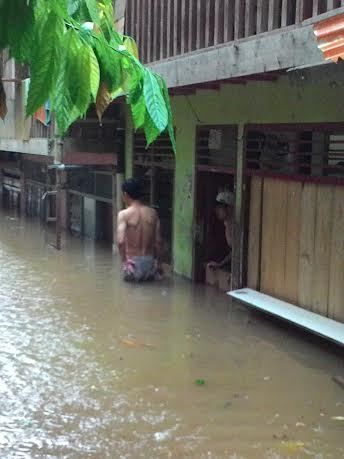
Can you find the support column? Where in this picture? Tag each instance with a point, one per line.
(60, 195)
(1, 187)
(184, 193)
(114, 210)
(318, 156)
(117, 202)
(239, 212)
(129, 144)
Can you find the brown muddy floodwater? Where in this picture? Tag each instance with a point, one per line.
(94, 368)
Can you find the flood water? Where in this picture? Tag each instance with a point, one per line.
(95, 368)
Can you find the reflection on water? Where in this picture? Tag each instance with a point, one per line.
(94, 368)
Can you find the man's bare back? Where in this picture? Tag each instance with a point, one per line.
(140, 225)
(138, 235)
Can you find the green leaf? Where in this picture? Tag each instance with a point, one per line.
(107, 23)
(60, 7)
(61, 102)
(4, 25)
(136, 100)
(93, 10)
(68, 63)
(63, 110)
(94, 74)
(86, 35)
(151, 131)
(138, 110)
(136, 87)
(82, 72)
(73, 6)
(20, 30)
(154, 101)
(119, 92)
(82, 78)
(116, 39)
(170, 126)
(44, 62)
(109, 63)
(131, 46)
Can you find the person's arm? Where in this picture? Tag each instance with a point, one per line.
(222, 263)
(121, 230)
(226, 260)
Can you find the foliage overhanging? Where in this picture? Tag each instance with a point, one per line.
(76, 58)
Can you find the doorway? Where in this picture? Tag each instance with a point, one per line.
(215, 172)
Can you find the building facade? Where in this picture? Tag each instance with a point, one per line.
(68, 182)
(257, 111)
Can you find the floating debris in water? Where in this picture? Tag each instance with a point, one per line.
(337, 418)
(317, 429)
(338, 380)
(293, 446)
(283, 437)
(300, 424)
(133, 343)
(162, 436)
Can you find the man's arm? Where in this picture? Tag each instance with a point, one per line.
(222, 263)
(121, 230)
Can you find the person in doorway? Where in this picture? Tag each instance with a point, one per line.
(138, 235)
(224, 209)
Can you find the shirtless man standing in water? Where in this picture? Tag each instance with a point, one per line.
(138, 235)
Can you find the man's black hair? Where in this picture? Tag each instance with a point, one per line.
(133, 188)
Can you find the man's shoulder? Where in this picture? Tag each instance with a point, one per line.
(149, 211)
(123, 214)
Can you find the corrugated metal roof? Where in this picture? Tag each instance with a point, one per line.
(330, 36)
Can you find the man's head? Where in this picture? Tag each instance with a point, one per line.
(224, 205)
(132, 191)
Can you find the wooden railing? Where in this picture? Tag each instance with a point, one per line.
(167, 28)
(40, 131)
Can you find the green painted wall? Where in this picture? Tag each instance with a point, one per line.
(257, 102)
(184, 191)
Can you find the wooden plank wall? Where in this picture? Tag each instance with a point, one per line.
(254, 238)
(336, 288)
(296, 243)
(307, 241)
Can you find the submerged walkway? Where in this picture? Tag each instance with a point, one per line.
(95, 368)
